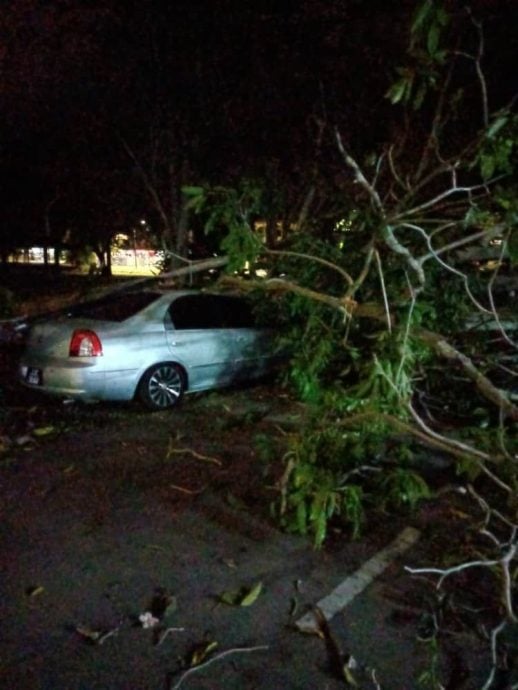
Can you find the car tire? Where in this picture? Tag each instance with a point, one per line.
(162, 386)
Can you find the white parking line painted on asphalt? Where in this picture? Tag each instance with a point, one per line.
(342, 595)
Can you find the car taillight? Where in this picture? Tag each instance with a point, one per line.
(85, 343)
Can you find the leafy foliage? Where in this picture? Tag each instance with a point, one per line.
(497, 154)
(399, 245)
(404, 488)
(229, 214)
(316, 493)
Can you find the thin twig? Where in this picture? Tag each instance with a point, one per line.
(488, 510)
(491, 298)
(377, 686)
(151, 188)
(167, 632)
(469, 239)
(363, 273)
(108, 634)
(217, 657)
(443, 195)
(183, 490)
(478, 67)
(406, 334)
(446, 572)
(445, 265)
(358, 470)
(394, 172)
(383, 290)
(494, 635)
(504, 564)
(501, 437)
(198, 456)
(378, 169)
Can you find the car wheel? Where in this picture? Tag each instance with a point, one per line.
(162, 386)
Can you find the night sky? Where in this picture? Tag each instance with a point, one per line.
(199, 92)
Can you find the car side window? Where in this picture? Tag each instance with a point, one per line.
(190, 312)
(193, 312)
(235, 313)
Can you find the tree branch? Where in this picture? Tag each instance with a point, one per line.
(316, 259)
(148, 185)
(393, 243)
(454, 189)
(343, 304)
(359, 176)
(484, 385)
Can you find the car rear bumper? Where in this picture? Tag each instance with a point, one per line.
(79, 380)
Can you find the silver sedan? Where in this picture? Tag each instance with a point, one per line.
(152, 345)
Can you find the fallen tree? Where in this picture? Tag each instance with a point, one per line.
(371, 310)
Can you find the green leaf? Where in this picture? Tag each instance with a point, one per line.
(88, 633)
(200, 653)
(496, 126)
(44, 430)
(348, 676)
(170, 609)
(432, 42)
(302, 517)
(397, 91)
(251, 597)
(243, 597)
(193, 191)
(442, 17)
(196, 203)
(487, 166)
(421, 16)
(440, 56)
(321, 529)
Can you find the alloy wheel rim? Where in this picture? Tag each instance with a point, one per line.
(165, 387)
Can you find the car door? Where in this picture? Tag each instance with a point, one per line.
(198, 340)
(253, 346)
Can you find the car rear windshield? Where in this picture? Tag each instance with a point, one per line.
(116, 307)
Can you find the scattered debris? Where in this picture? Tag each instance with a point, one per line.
(23, 440)
(229, 562)
(162, 635)
(243, 597)
(294, 608)
(200, 652)
(344, 666)
(96, 636)
(44, 431)
(147, 620)
(190, 492)
(193, 669)
(188, 451)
